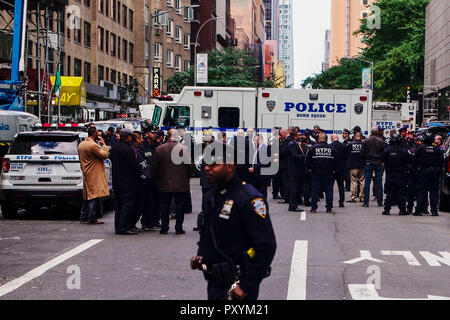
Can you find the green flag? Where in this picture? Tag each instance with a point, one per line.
(57, 84)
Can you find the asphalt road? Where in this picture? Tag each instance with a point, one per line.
(355, 253)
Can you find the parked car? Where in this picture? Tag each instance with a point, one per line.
(42, 168)
(134, 124)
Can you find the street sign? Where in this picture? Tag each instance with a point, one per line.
(156, 82)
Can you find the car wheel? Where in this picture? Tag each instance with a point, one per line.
(444, 202)
(9, 211)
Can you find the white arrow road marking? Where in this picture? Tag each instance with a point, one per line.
(365, 255)
(368, 292)
(297, 278)
(37, 272)
(10, 238)
(303, 215)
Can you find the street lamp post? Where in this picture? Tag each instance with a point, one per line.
(150, 46)
(196, 44)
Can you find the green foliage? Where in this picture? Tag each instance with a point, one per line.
(345, 75)
(226, 68)
(397, 50)
(128, 96)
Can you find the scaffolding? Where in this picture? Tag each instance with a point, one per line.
(41, 18)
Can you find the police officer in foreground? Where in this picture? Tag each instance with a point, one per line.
(429, 160)
(237, 241)
(395, 156)
(321, 161)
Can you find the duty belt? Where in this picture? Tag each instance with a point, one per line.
(223, 273)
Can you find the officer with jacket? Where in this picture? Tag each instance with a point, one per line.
(296, 170)
(149, 146)
(429, 160)
(411, 175)
(321, 162)
(346, 141)
(395, 156)
(237, 241)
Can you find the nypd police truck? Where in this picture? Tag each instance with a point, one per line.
(205, 109)
(394, 115)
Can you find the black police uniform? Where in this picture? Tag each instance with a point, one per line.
(347, 180)
(429, 160)
(283, 170)
(237, 240)
(149, 151)
(411, 180)
(296, 172)
(395, 157)
(341, 168)
(321, 161)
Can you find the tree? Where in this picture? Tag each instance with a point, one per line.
(397, 49)
(226, 68)
(128, 96)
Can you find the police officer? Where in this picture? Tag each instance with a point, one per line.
(429, 160)
(149, 146)
(346, 141)
(395, 156)
(321, 161)
(403, 134)
(411, 175)
(237, 241)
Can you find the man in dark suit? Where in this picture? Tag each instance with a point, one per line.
(296, 170)
(172, 180)
(262, 152)
(341, 167)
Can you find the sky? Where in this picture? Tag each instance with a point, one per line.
(310, 18)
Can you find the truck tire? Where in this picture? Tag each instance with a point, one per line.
(444, 202)
(9, 211)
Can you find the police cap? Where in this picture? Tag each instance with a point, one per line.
(395, 138)
(357, 129)
(402, 130)
(345, 131)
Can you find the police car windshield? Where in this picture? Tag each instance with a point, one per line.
(43, 145)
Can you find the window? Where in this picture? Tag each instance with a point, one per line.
(124, 79)
(158, 49)
(130, 19)
(124, 15)
(113, 16)
(187, 41)
(130, 79)
(118, 47)
(131, 52)
(146, 49)
(187, 65)
(100, 39)
(177, 63)
(118, 12)
(101, 71)
(107, 8)
(101, 6)
(77, 67)
(170, 28)
(87, 72)
(228, 117)
(125, 49)
(178, 34)
(119, 79)
(169, 58)
(77, 31)
(68, 66)
(113, 44)
(68, 25)
(146, 18)
(169, 3)
(87, 34)
(178, 6)
(87, 3)
(107, 42)
(50, 56)
(107, 74)
(179, 115)
(113, 76)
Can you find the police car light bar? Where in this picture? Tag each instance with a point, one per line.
(363, 98)
(266, 95)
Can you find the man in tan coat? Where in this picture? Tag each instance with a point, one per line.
(92, 152)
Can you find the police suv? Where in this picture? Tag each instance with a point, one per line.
(42, 168)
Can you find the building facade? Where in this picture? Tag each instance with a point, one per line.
(286, 41)
(326, 59)
(346, 18)
(437, 61)
(272, 19)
